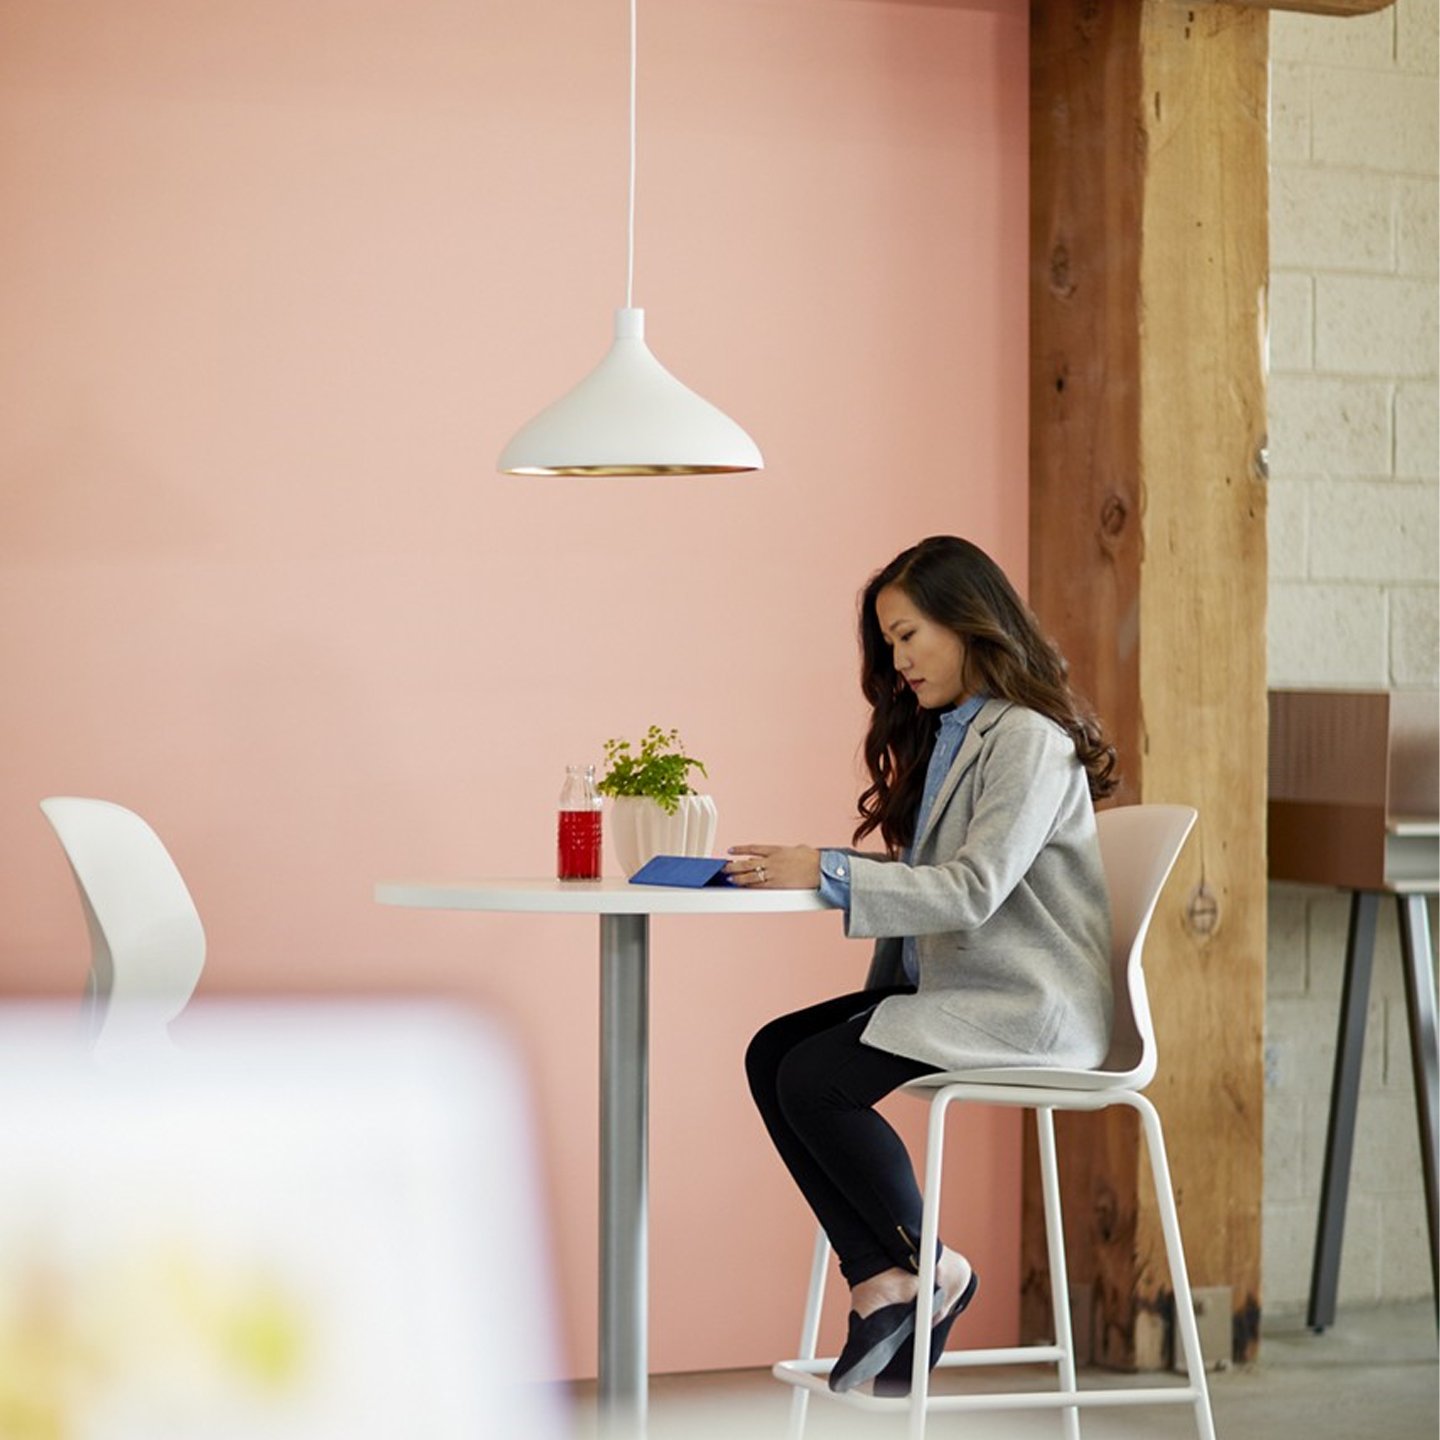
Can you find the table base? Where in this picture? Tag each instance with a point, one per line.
(624, 1172)
(1416, 956)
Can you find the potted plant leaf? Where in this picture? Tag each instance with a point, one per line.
(654, 810)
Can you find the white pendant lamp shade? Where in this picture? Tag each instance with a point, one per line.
(630, 416)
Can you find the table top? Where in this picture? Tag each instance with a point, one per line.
(592, 897)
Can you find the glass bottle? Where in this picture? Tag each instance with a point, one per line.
(578, 828)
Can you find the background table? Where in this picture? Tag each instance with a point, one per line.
(624, 912)
(1354, 776)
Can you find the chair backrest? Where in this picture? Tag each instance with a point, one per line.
(1139, 845)
(147, 943)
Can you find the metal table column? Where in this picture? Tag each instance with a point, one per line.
(624, 1168)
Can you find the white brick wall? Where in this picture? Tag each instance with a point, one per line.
(1372, 530)
(1329, 425)
(1331, 635)
(1414, 635)
(1415, 202)
(1339, 219)
(1417, 434)
(1354, 572)
(1375, 325)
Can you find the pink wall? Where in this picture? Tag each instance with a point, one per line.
(277, 280)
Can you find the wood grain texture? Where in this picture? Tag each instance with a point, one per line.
(1317, 7)
(1085, 198)
(1085, 538)
(1149, 166)
(1204, 277)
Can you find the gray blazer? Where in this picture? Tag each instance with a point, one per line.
(1007, 900)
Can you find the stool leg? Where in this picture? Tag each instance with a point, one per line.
(1179, 1276)
(929, 1241)
(810, 1327)
(1420, 1006)
(1059, 1274)
(1344, 1102)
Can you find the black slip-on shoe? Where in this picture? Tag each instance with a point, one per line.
(894, 1378)
(871, 1344)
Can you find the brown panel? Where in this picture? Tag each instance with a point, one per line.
(1323, 844)
(1329, 745)
(1345, 766)
(1414, 786)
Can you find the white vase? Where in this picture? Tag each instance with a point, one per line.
(640, 829)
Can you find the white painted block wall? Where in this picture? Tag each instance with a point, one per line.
(1354, 566)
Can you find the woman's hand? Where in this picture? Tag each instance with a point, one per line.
(775, 867)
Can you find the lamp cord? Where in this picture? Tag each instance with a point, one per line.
(630, 236)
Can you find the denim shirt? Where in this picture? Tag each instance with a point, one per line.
(835, 864)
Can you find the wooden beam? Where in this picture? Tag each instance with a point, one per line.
(1147, 563)
(1316, 7)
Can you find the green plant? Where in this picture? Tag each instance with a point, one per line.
(660, 772)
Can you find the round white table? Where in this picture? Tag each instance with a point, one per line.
(624, 912)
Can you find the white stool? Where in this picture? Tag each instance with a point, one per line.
(1139, 845)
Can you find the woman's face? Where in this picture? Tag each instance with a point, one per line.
(929, 657)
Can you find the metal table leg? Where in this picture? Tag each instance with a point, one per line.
(1417, 960)
(1344, 1100)
(624, 1080)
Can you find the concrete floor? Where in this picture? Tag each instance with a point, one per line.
(1372, 1377)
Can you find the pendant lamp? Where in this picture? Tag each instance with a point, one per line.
(630, 415)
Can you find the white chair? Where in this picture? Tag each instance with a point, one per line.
(1139, 845)
(147, 944)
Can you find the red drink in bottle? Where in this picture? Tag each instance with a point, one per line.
(577, 850)
(578, 856)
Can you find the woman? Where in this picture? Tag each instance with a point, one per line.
(990, 909)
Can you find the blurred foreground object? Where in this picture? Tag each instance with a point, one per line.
(311, 1221)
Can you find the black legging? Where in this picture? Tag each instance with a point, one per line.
(815, 1083)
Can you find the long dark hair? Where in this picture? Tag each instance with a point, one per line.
(956, 584)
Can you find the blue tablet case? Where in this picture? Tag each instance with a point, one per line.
(693, 872)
